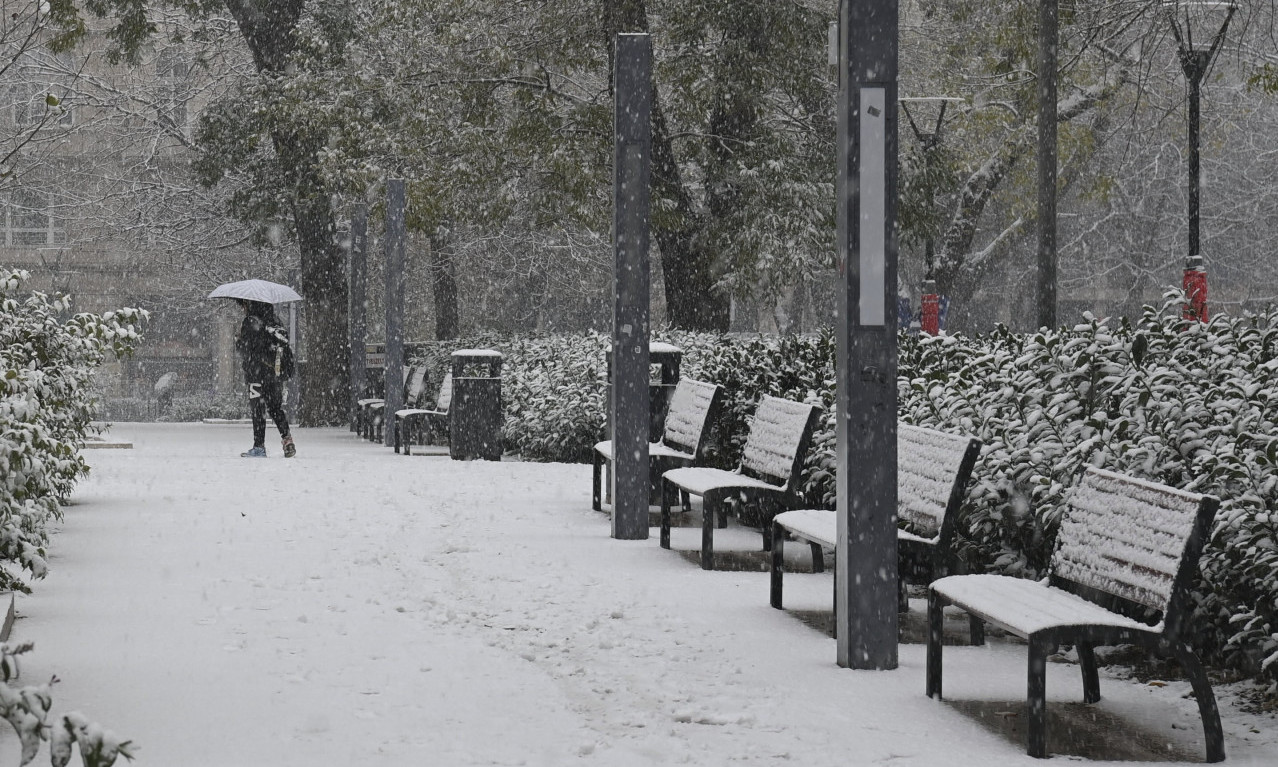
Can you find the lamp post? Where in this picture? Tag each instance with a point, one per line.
(1196, 55)
(929, 143)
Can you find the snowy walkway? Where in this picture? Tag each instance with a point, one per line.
(354, 607)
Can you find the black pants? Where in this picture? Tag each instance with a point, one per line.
(265, 397)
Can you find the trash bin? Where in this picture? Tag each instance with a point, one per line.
(475, 414)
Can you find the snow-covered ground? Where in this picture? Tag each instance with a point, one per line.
(352, 606)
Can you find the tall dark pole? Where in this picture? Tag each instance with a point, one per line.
(1195, 61)
(394, 365)
(866, 252)
(358, 308)
(1195, 184)
(632, 163)
(1047, 42)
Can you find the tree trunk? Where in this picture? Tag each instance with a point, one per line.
(687, 265)
(443, 282)
(325, 385)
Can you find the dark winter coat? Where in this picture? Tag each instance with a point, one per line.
(261, 344)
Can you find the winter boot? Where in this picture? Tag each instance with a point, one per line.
(257, 451)
(289, 449)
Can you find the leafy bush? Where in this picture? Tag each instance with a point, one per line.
(47, 405)
(26, 709)
(201, 405)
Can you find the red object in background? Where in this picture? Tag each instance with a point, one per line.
(1195, 287)
(930, 318)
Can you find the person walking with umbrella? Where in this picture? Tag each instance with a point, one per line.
(268, 361)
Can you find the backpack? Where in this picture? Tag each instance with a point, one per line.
(281, 352)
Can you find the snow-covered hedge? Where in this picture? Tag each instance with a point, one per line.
(47, 405)
(27, 710)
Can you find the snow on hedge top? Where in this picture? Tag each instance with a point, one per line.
(775, 434)
(686, 416)
(1125, 536)
(663, 348)
(477, 353)
(928, 462)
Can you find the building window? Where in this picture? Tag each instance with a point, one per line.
(27, 223)
(171, 71)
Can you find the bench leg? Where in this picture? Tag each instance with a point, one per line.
(818, 556)
(1036, 698)
(1091, 677)
(596, 491)
(935, 623)
(709, 505)
(667, 493)
(902, 595)
(976, 631)
(399, 429)
(777, 561)
(1207, 709)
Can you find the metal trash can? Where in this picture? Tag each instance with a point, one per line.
(475, 415)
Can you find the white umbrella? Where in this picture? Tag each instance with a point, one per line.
(256, 290)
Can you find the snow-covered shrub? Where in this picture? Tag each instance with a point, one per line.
(555, 395)
(26, 709)
(47, 404)
(201, 405)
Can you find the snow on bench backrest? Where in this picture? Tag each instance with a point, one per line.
(686, 417)
(1126, 537)
(445, 393)
(928, 462)
(416, 383)
(777, 433)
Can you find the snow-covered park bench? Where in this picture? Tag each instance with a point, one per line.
(410, 421)
(1125, 559)
(368, 411)
(691, 412)
(766, 482)
(933, 469)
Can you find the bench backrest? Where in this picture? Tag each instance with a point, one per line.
(692, 409)
(780, 434)
(1132, 546)
(414, 385)
(445, 398)
(933, 469)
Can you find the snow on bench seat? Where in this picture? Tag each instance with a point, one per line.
(655, 449)
(816, 525)
(1025, 607)
(699, 480)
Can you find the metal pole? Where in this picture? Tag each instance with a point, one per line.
(632, 163)
(866, 582)
(1195, 188)
(358, 307)
(1047, 42)
(394, 307)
